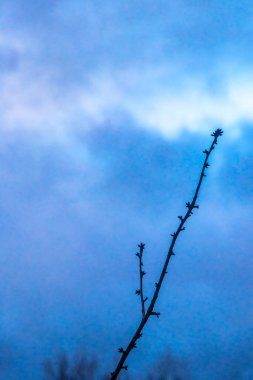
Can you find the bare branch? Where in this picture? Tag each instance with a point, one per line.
(150, 311)
(139, 292)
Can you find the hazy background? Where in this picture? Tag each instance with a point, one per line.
(106, 107)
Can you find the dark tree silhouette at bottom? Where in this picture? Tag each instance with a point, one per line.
(77, 368)
(169, 367)
(80, 367)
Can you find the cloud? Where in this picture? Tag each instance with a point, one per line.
(192, 108)
(33, 99)
(162, 100)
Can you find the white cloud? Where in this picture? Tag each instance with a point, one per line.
(32, 98)
(194, 106)
(165, 101)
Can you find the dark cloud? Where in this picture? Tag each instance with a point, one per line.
(78, 37)
(68, 245)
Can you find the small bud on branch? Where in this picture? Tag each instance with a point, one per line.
(155, 314)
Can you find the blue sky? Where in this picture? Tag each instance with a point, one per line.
(105, 110)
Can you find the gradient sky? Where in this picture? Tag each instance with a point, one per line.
(106, 107)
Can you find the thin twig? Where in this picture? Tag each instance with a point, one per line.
(150, 311)
(139, 292)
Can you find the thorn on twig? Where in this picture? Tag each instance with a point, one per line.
(196, 206)
(145, 299)
(156, 284)
(143, 273)
(125, 367)
(121, 350)
(134, 345)
(139, 336)
(188, 205)
(207, 165)
(173, 234)
(182, 229)
(137, 254)
(172, 253)
(155, 314)
(137, 292)
(180, 217)
(205, 151)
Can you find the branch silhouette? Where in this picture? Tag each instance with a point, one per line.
(139, 292)
(191, 206)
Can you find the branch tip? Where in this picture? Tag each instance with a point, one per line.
(217, 133)
(141, 246)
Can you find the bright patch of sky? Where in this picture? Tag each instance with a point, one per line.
(170, 67)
